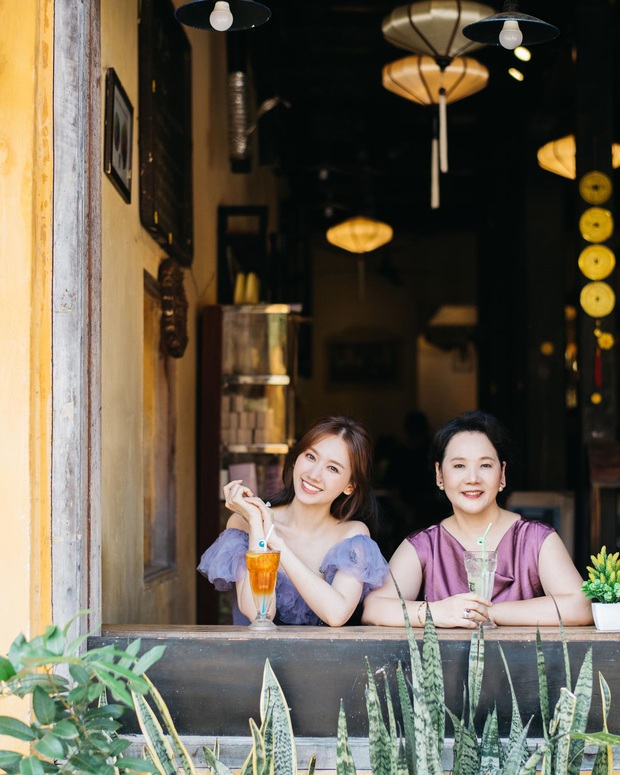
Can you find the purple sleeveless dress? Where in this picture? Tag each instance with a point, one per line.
(516, 577)
(224, 563)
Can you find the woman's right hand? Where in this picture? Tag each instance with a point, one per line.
(238, 498)
(464, 610)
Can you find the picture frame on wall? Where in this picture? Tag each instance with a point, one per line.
(118, 135)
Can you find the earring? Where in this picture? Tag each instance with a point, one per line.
(501, 487)
(440, 486)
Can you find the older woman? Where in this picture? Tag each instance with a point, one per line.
(534, 570)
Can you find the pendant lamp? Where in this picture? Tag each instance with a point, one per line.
(421, 80)
(558, 156)
(360, 235)
(223, 16)
(510, 29)
(433, 28)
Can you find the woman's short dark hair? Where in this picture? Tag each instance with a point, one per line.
(361, 503)
(473, 422)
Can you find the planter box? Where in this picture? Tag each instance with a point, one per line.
(606, 616)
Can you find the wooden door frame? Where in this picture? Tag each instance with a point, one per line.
(76, 315)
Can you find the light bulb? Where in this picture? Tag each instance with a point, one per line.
(221, 18)
(511, 36)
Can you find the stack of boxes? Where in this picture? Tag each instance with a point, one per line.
(246, 420)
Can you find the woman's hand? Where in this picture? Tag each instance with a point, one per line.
(274, 541)
(240, 499)
(464, 610)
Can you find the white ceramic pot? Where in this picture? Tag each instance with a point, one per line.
(606, 616)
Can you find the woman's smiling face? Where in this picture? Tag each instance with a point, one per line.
(323, 472)
(471, 472)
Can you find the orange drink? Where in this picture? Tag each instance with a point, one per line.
(263, 570)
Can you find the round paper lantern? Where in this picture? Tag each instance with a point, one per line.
(434, 27)
(558, 156)
(360, 234)
(421, 80)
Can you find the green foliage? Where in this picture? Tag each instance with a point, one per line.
(73, 728)
(603, 583)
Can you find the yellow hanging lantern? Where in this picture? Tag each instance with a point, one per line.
(558, 156)
(421, 80)
(360, 235)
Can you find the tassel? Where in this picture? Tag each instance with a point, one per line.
(443, 131)
(598, 369)
(435, 173)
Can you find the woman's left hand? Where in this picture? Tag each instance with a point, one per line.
(274, 541)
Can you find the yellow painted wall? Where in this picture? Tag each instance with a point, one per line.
(128, 250)
(25, 349)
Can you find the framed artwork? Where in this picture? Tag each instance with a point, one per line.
(363, 363)
(164, 59)
(118, 135)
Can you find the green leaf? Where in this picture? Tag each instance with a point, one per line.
(215, 764)
(382, 759)
(105, 711)
(583, 692)
(6, 669)
(15, 652)
(66, 730)
(136, 765)
(30, 765)
(54, 640)
(543, 690)
(50, 746)
(490, 748)
(185, 759)
(132, 650)
(406, 711)
(285, 756)
(597, 738)
(148, 659)
(158, 745)
(516, 724)
(89, 764)
(117, 687)
(260, 766)
(563, 721)
(312, 764)
(344, 759)
(9, 761)
(475, 672)
(79, 674)
(433, 680)
(44, 706)
(77, 695)
(13, 727)
(94, 692)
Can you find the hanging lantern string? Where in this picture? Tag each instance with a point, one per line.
(435, 168)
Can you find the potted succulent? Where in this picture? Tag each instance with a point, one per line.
(603, 588)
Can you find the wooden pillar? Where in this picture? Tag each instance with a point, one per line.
(76, 315)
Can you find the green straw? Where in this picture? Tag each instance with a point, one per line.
(482, 540)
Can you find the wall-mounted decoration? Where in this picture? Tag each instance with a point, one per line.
(362, 363)
(118, 135)
(173, 308)
(166, 130)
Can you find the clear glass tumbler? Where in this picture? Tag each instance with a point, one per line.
(480, 567)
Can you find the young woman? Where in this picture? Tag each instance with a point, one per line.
(534, 570)
(318, 522)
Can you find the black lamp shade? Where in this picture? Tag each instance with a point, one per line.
(487, 30)
(246, 14)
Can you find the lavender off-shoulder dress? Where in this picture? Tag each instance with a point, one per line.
(516, 577)
(224, 563)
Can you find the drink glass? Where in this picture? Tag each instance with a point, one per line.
(263, 569)
(480, 567)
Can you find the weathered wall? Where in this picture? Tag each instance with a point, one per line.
(25, 346)
(128, 250)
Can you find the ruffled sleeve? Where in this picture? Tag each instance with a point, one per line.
(224, 561)
(361, 557)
